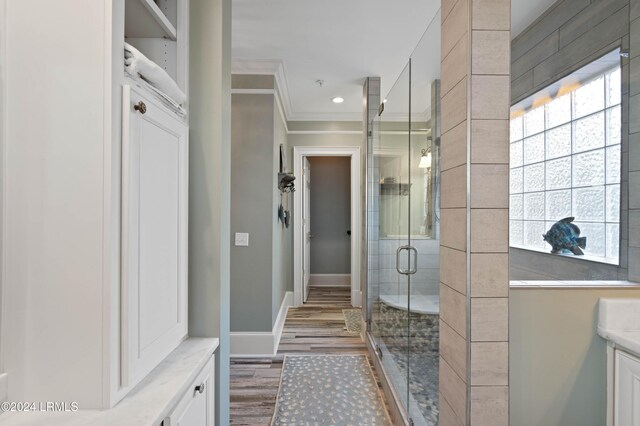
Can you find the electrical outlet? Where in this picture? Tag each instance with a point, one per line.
(242, 239)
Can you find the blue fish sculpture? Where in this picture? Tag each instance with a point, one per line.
(564, 237)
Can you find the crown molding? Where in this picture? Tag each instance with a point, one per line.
(267, 67)
(276, 68)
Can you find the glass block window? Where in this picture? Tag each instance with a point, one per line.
(565, 161)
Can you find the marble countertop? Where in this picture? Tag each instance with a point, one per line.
(148, 403)
(619, 323)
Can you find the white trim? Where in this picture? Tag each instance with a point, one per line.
(299, 153)
(404, 132)
(324, 116)
(283, 114)
(278, 325)
(325, 132)
(259, 344)
(283, 89)
(611, 372)
(357, 296)
(330, 280)
(266, 67)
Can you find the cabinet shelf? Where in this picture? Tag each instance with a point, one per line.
(144, 19)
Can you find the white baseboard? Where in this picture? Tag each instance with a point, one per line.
(356, 298)
(287, 301)
(4, 387)
(259, 344)
(330, 280)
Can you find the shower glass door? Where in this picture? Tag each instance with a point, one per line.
(404, 232)
(424, 232)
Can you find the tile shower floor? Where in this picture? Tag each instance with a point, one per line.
(415, 355)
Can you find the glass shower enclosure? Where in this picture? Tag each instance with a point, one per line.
(403, 233)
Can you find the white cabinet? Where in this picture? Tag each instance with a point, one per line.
(626, 390)
(197, 406)
(154, 237)
(94, 212)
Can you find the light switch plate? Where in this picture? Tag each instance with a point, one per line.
(242, 239)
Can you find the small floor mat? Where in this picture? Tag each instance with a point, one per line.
(328, 390)
(353, 320)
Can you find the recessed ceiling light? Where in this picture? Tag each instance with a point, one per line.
(384, 101)
(337, 100)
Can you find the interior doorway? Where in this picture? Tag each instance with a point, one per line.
(326, 221)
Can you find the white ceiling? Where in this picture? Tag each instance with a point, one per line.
(340, 42)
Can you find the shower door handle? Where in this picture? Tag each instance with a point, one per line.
(413, 266)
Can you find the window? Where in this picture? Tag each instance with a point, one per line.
(565, 161)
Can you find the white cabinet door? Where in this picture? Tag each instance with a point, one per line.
(197, 407)
(154, 240)
(627, 390)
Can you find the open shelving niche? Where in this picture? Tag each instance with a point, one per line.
(160, 31)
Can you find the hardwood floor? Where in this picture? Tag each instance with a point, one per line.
(316, 328)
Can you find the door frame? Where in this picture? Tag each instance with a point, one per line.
(300, 152)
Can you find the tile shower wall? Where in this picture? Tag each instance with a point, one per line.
(426, 281)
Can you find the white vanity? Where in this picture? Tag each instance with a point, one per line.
(619, 324)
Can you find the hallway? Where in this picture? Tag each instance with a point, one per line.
(316, 328)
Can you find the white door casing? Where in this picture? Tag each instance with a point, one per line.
(299, 155)
(306, 226)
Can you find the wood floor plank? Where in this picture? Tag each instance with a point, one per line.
(318, 327)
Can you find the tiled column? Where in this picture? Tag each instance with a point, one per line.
(632, 117)
(371, 98)
(475, 87)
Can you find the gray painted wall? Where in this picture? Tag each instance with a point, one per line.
(209, 183)
(252, 193)
(568, 36)
(557, 362)
(263, 270)
(330, 215)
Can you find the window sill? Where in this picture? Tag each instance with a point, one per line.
(572, 284)
(583, 258)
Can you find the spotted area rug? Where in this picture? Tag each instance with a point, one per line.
(328, 390)
(353, 320)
